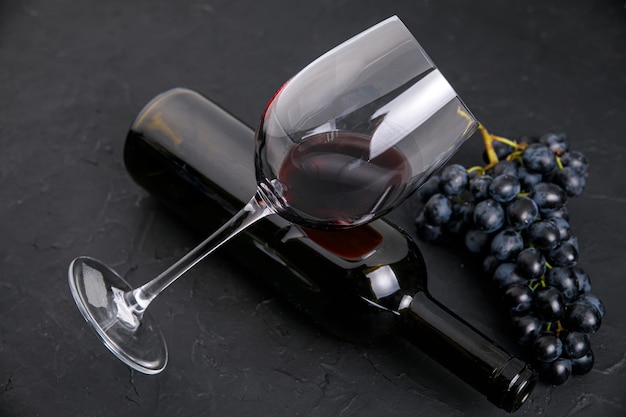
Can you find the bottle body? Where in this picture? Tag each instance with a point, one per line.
(361, 284)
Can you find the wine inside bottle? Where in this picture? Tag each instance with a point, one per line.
(361, 284)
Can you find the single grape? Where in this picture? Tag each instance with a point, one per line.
(506, 245)
(476, 241)
(563, 279)
(506, 275)
(571, 181)
(453, 180)
(518, 298)
(504, 188)
(582, 366)
(437, 210)
(548, 196)
(549, 303)
(531, 263)
(426, 231)
(563, 225)
(479, 187)
(575, 344)
(527, 178)
(504, 167)
(563, 255)
(594, 301)
(538, 158)
(547, 347)
(489, 215)
(490, 263)
(526, 328)
(521, 212)
(556, 372)
(544, 235)
(582, 317)
(557, 142)
(575, 160)
(428, 189)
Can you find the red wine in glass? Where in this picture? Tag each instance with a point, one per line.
(329, 178)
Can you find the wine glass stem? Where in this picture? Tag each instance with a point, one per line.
(139, 299)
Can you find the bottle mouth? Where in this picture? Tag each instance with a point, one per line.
(512, 384)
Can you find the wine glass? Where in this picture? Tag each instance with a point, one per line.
(340, 144)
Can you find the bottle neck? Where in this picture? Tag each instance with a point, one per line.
(505, 380)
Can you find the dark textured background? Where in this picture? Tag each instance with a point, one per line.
(74, 73)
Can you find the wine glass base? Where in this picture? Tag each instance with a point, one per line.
(97, 291)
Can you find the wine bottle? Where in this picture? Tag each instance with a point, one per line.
(361, 284)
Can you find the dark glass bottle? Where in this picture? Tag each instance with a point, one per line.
(361, 284)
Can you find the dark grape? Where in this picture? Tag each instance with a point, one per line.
(544, 235)
(504, 188)
(563, 226)
(518, 298)
(557, 142)
(437, 210)
(489, 215)
(504, 168)
(549, 303)
(547, 347)
(526, 328)
(557, 371)
(506, 275)
(506, 245)
(476, 241)
(548, 196)
(490, 263)
(582, 317)
(563, 279)
(563, 255)
(575, 344)
(594, 301)
(538, 158)
(527, 178)
(521, 212)
(575, 160)
(479, 187)
(583, 365)
(531, 264)
(453, 180)
(571, 181)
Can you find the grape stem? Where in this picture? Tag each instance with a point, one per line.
(559, 163)
(477, 168)
(488, 140)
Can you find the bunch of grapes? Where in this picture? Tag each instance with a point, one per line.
(513, 212)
